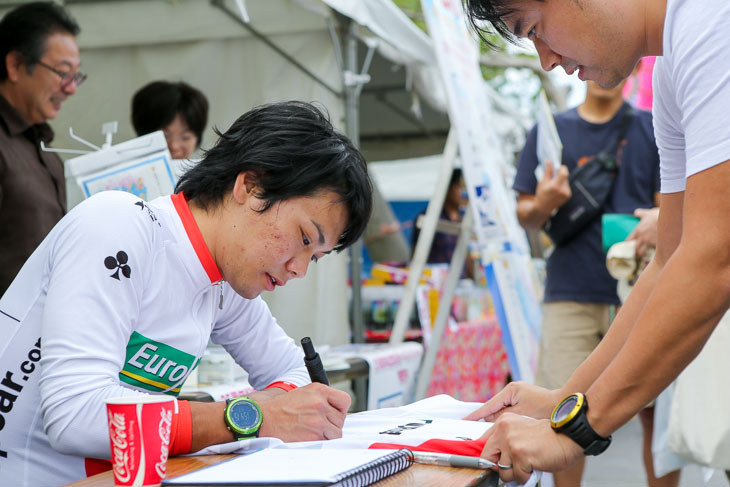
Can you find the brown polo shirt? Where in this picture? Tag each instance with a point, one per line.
(32, 190)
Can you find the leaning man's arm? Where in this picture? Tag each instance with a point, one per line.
(691, 295)
(670, 228)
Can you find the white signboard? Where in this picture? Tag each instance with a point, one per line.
(469, 111)
(140, 166)
(499, 234)
(146, 177)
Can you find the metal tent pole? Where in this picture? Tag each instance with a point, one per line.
(352, 126)
(266, 40)
(444, 309)
(425, 239)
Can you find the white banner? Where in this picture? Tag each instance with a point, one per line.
(501, 238)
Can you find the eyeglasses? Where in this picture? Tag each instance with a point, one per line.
(66, 78)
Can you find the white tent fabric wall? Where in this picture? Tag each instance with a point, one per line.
(401, 41)
(126, 44)
(407, 179)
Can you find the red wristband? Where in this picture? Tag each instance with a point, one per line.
(282, 384)
(181, 432)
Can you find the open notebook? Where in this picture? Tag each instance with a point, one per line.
(283, 467)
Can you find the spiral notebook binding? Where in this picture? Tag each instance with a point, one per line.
(376, 470)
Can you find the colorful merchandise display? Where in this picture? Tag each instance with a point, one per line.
(471, 364)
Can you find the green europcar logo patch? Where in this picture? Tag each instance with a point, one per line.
(155, 366)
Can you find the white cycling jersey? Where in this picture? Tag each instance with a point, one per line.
(120, 299)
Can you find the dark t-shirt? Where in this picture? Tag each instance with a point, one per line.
(443, 245)
(576, 270)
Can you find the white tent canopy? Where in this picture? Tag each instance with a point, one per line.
(126, 44)
(401, 41)
(411, 179)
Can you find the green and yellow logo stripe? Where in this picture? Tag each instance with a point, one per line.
(159, 385)
(155, 366)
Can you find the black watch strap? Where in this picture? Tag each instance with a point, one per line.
(582, 433)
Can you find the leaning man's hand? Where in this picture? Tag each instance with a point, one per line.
(520, 445)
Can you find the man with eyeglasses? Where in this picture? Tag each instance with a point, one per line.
(39, 71)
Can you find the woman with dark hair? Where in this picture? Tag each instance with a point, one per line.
(178, 109)
(444, 244)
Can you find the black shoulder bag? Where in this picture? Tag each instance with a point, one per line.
(590, 187)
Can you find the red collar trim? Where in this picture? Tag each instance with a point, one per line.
(196, 238)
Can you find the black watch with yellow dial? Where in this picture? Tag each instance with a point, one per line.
(243, 417)
(569, 418)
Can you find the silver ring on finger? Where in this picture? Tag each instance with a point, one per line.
(504, 467)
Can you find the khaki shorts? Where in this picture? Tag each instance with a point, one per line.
(570, 332)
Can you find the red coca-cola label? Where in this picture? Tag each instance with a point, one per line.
(163, 432)
(139, 435)
(119, 444)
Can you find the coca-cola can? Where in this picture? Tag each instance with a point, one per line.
(139, 435)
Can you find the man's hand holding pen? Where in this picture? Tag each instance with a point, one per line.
(309, 413)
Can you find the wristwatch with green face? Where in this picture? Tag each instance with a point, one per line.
(569, 418)
(243, 417)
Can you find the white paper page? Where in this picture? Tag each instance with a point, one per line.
(549, 145)
(282, 466)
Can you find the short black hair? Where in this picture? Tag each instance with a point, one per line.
(156, 104)
(456, 177)
(26, 29)
(493, 11)
(292, 150)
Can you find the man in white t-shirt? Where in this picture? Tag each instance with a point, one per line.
(122, 296)
(682, 294)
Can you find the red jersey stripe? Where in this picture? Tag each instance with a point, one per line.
(196, 238)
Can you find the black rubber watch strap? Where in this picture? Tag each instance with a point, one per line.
(580, 431)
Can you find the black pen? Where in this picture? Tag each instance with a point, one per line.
(313, 362)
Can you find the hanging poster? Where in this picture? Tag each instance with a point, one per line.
(502, 241)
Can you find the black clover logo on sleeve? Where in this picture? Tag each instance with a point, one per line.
(119, 263)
